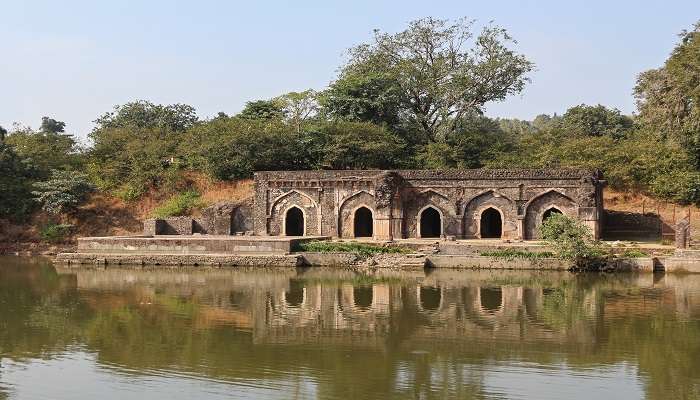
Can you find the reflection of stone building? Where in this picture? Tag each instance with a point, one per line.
(418, 204)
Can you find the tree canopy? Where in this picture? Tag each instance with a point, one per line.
(434, 76)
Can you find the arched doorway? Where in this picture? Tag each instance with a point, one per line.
(549, 213)
(294, 222)
(430, 223)
(363, 222)
(491, 224)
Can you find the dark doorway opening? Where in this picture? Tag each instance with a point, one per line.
(430, 223)
(491, 298)
(430, 297)
(364, 223)
(549, 213)
(294, 222)
(363, 296)
(491, 224)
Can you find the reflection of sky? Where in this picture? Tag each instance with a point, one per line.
(617, 382)
(78, 375)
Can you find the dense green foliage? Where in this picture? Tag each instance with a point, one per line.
(63, 192)
(179, 205)
(569, 238)
(413, 99)
(15, 174)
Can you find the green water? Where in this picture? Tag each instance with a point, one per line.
(338, 334)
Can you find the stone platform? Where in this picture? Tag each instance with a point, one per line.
(191, 245)
(201, 260)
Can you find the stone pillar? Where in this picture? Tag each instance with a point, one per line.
(382, 228)
(521, 227)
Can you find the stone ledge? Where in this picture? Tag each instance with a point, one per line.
(215, 260)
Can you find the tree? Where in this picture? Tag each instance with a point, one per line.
(263, 109)
(298, 107)
(50, 125)
(234, 148)
(63, 192)
(3, 133)
(668, 98)
(15, 176)
(360, 145)
(363, 98)
(476, 140)
(436, 78)
(47, 149)
(146, 115)
(596, 121)
(135, 147)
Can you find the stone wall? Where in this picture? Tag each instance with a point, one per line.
(398, 199)
(631, 225)
(224, 218)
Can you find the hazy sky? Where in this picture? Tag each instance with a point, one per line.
(74, 60)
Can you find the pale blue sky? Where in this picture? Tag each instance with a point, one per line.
(74, 60)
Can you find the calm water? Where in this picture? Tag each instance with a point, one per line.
(315, 333)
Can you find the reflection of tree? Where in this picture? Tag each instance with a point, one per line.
(398, 340)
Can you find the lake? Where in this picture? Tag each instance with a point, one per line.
(131, 333)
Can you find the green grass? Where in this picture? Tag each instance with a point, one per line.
(634, 253)
(179, 205)
(360, 249)
(512, 254)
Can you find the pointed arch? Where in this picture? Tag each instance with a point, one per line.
(278, 213)
(430, 222)
(538, 205)
(478, 204)
(294, 221)
(491, 223)
(428, 192)
(289, 194)
(347, 209)
(363, 221)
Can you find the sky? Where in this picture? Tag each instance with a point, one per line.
(75, 60)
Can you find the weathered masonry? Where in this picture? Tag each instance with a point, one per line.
(470, 204)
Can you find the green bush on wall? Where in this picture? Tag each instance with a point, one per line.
(179, 205)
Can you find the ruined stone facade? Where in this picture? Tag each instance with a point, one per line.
(470, 204)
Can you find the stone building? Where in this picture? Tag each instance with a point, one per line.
(470, 204)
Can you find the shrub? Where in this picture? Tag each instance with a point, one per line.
(634, 253)
(572, 240)
(179, 205)
(55, 233)
(63, 192)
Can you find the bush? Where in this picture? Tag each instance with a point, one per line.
(634, 253)
(63, 192)
(179, 205)
(572, 240)
(55, 233)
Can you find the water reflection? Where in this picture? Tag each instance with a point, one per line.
(321, 333)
